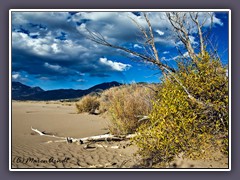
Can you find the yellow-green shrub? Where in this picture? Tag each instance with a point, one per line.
(88, 104)
(179, 124)
(127, 104)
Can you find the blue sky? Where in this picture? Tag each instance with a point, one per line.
(50, 49)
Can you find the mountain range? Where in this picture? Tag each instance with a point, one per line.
(24, 92)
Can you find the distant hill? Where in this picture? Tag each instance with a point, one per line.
(24, 92)
(21, 91)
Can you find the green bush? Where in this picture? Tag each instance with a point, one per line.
(88, 104)
(178, 124)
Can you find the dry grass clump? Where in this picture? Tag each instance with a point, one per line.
(127, 104)
(124, 104)
(88, 104)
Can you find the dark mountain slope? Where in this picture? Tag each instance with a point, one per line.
(23, 92)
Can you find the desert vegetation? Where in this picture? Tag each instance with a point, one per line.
(179, 124)
(187, 113)
(125, 105)
(88, 104)
(176, 123)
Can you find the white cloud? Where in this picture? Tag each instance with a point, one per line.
(16, 76)
(81, 80)
(137, 46)
(34, 34)
(51, 18)
(44, 78)
(168, 59)
(53, 67)
(208, 22)
(55, 48)
(115, 65)
(21, 77)
(159, 32)
(217, 21)
(192, 40)
(186, 54)
(47, 46)
(81, 74)
(37, 46)
(163, 58)
(95, 16)
(82, 28)
(166, 52)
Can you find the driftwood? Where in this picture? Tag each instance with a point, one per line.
(105, 137)
(42, 133)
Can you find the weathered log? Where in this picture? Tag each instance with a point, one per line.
(105, 137)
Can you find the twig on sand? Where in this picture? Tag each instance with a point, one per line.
(41, 133)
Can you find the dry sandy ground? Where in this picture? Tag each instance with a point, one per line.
(30, 150)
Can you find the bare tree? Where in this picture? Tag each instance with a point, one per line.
(178, 20)
(181, 26)
(149, 41)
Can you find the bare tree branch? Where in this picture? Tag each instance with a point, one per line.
(152, 43)
(177, 22)
(98, 38)
(199, 27)
(211, 25)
